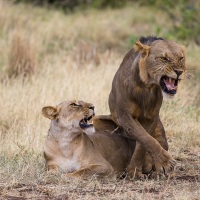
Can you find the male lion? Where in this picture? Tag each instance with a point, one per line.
(150, 70)
(76, 148)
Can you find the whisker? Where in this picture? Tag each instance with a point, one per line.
(190, 76)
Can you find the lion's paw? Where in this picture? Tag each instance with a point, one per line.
(135, 173)
(164, 163)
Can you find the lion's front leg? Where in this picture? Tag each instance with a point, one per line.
(149, 165)
(159, 135)
(134, 130)
(134, 168)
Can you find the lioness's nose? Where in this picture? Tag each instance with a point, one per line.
(91, 107)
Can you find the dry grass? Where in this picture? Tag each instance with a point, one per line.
(22, 56)
(77, 56)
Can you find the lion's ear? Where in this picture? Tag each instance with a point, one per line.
(144, 50)
(50, 112)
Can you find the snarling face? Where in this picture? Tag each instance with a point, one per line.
(166, 64)
(72, 115)
(163, 62)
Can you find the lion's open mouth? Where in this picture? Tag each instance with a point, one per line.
(86, 122)
(169, 85)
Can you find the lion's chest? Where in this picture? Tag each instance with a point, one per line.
(148, 114)
(146, 104)
(145, 112)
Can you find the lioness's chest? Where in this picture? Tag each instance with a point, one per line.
(68, 164)
(62, 153)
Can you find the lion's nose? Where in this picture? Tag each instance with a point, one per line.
(178, 72)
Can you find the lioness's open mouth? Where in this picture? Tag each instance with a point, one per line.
(86, 122)
(169, 85)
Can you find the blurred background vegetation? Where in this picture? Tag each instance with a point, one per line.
(184, 14)
(34, 30)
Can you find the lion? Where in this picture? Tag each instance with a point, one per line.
(74, 147)
(149, 71)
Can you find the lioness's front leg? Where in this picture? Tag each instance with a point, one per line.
(98, 170)
(134, 130)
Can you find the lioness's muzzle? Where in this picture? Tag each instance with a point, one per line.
(85, 122)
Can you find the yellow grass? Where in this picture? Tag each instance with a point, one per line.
(22, 56)
(77, 56)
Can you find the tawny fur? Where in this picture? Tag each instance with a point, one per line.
(82, 152)
(136, 97)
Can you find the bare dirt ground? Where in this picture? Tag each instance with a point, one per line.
(187, 177)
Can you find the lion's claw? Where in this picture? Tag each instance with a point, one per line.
(173, 165)
(164, 163)
(137, 175)
(135, 172)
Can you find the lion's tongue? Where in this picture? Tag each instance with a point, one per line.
(169, 82)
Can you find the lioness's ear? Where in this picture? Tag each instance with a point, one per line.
(144, 50)
(50, 112)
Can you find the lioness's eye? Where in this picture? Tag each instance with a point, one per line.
(74, 105)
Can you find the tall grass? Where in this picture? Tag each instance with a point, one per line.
(22, 56)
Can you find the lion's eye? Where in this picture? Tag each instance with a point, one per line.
(165, 59)
(74, 105)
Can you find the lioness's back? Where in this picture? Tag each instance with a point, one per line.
(118, 149)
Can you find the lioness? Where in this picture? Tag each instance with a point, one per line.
(151, 69)
(76, 148)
